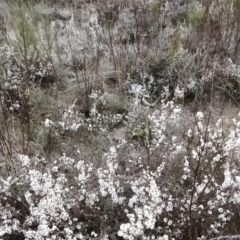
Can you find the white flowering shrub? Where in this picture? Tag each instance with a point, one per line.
(180, 191)
(104, 127)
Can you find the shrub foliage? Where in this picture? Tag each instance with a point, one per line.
(119, 120)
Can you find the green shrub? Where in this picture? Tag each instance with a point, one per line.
(196, 17)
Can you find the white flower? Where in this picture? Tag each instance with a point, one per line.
(43, 230)
(184, 177)
(169, 207)
(199, 116)
(120, 233)
(194, 154)
(94, 234)
(25, 160)
(189, 133)
(55, 169)
(48, 123)
(220, 210)
(178, 93)
(165, 237)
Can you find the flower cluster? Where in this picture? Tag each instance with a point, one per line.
(172, 174)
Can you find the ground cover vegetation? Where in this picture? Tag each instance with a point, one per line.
(119, 119)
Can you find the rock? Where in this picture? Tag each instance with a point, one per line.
(112, 101)
(52, 14)
(119, 134)
(59, 16)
